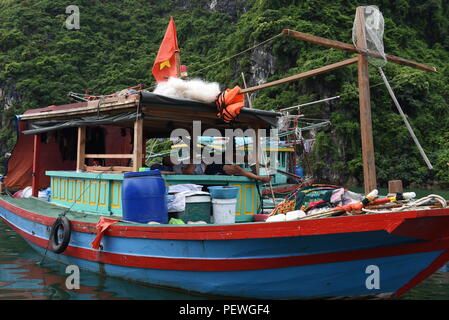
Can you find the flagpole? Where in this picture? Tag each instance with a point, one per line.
(178, 63)
(168, 56)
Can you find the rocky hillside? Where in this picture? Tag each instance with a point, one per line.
(41, 61)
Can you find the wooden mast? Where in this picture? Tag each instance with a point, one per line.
(36, 165)
(369, 166)
(369, 169)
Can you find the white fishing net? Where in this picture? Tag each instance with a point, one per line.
(373, 27)
(283, 122)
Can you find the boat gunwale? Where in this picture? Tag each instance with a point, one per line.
(331, 225)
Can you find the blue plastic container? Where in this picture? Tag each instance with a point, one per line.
(299, 171)
(223, 192)
(144, 197)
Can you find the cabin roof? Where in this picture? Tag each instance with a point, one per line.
(161, 114)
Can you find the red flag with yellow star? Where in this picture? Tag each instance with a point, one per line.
(165, 63)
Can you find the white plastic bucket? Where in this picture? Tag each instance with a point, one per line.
(224, 210)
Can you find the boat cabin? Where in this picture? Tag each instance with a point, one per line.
(81, 151)
(282, 153)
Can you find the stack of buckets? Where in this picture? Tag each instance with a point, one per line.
(224, 202)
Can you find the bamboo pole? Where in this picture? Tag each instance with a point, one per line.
(111, 168)
(302, 75)
(81, 149)
(178, 63)
(108, 156)
(250, 103)
(268, 173)
(137, 148)
(36, 165)
(257, 150)
(351, 48)
(404, 118)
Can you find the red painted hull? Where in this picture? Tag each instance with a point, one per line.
(428, 228)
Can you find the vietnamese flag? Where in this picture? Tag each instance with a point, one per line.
(165, 63)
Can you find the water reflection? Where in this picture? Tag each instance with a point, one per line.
(434, 288)
(27, 280)
(21, 277)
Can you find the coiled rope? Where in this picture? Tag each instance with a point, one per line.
(415, 205)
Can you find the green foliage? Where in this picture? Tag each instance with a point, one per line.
(41, 61)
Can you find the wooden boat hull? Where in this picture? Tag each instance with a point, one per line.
(282, 260)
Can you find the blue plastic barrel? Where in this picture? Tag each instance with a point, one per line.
(298, 171)
(144, 197)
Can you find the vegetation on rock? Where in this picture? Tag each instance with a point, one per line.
(41, 61)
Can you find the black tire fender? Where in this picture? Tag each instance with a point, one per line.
(57, 243)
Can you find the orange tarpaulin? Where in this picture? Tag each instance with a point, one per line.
(20, 165)
(102, 225)
(165, 63)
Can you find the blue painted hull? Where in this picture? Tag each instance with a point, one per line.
(343, 279)
(311, 274)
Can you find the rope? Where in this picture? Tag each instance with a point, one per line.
(227, 58)
(414, 205)
(310, 103)
(399, 77)
(237, 54)
(65, 212)
(286, 198)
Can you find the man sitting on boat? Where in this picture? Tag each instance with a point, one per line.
(168, 167)
(228, 168)
(233, 169)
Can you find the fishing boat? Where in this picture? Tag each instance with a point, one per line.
(86, 152)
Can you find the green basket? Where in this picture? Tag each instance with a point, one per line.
(198, 208)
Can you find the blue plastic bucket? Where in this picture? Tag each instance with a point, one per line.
(223, 192)
(299, 171)
(144, 197)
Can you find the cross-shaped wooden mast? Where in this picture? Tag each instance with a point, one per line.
(369, 168)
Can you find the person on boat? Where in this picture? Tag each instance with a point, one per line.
(166, 167)
(190, 168)
(211, 169)
(233, 169)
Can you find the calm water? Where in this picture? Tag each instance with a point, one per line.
(21, 277)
